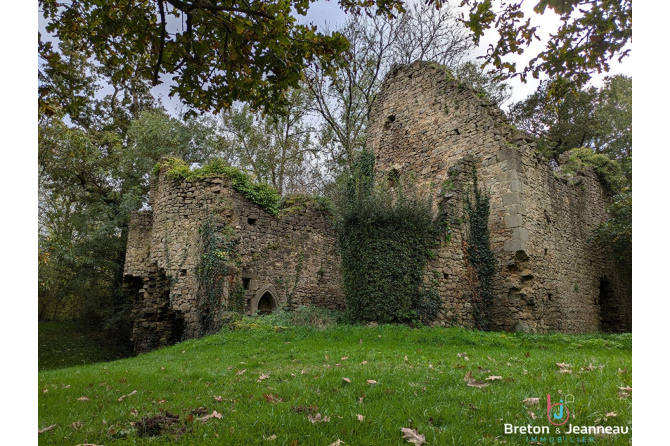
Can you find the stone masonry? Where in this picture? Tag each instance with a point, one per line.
(291, 255)
(549, 276)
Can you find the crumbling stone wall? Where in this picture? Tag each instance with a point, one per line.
(290, 257)
(549, 275)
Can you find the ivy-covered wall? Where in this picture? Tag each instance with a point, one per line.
(542, 271)
(213, 250)
(548, 275)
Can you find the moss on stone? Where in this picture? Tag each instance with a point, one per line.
(261, 194)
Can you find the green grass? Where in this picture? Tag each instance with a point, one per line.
(67, 344)
(306, 366)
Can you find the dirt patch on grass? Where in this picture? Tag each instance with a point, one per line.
(157, 425)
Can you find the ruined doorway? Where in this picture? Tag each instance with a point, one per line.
(267, 303)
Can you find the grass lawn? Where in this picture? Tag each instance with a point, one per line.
(66, 344)
(266, 382)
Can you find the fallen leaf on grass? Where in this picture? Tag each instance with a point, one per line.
(270, 438)
(493, 378)
(346, 380)
(273, 398)
(360, 400)
(372, 381)
(46, 428)
(214, 414)
(565, 371)
(77, 425)
(126, 396)
(589, 368)
(241, 372)
(413, 436)
(531, 401)
(562, 365)
(464, 356)
(83, 398)
(532, 415)
(364, 362)
(218, 398)
(610, 414)
(262, 377)
(471, 382)
(337, 443)
(624, 392)
(360, 417)
(318, 419)
(344, 358)
(134, 412)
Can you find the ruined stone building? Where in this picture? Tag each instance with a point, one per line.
(549, 276)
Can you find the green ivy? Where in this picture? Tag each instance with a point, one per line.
(478, 252)
(616, 234)
(608, 171)
(261, 194)
(218, 251)
(384, 237)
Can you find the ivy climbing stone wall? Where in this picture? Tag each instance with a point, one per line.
(290, 258)
(548, 275)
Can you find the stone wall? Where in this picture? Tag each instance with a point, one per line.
(290, 257)
(549, 275)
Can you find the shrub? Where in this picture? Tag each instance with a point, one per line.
(262, 194)
(384, 237)
(608, 171)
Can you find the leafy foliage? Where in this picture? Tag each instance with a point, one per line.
(608, 171)
(616, 234)
(478, 252)
(384, 237)
(599, 118)
(277, 149)
(343, 97)
(483, 82)
(584, 43)
(262, 194)
(95, 155)
(218, 52)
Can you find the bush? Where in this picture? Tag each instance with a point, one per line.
(384, 236)
(262, 194)
(608, 171)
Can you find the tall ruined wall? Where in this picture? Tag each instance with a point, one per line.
(292, 256)
(548, 276)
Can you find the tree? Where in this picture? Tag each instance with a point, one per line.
(254, 51)
(599, 118)
(95, 155)
(343, 97)
(592, 33)
(483, 82)
(276, 149)
(218, 51)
